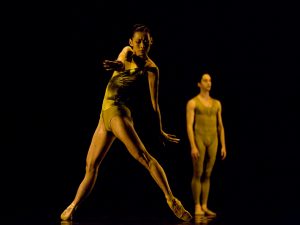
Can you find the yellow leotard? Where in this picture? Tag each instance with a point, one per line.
(119, 91)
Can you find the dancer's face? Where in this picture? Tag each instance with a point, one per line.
(205, 83)
(141, 43)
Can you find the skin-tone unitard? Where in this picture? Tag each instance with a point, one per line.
(205, 128)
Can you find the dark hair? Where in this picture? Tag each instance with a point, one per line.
(139, 28)
(201, 76)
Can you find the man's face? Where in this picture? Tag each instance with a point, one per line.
(205, 83)
(140, 43)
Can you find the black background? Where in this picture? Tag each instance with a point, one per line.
(53, 85)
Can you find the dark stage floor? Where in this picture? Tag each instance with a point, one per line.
(229, 219)
(139, 221)
(126, 221)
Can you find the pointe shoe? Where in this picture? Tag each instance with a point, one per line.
(179, 210)
(67, 214)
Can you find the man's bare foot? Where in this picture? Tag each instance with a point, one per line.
(198, 210)
(208, 212)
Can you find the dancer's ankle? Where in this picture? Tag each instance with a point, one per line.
(72, 205)
(169, 197)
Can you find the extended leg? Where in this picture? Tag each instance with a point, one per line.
(99, 146)
(124, 130)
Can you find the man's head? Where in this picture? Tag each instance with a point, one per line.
(205, 82)
(140, 40)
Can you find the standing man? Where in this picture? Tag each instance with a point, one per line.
(205, 129)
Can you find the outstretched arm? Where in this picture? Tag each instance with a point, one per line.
(221, 131)
(119, 63)
(153, 78)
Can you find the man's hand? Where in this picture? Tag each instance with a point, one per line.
(195, 153)
(223, 153)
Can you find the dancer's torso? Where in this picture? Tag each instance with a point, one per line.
(123, 87)
(205, 118)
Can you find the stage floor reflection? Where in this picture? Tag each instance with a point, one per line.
(198, 220)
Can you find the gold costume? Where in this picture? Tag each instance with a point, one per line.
(205, 129)
(119, 91)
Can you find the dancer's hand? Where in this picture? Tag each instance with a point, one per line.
(223, 153)
(112, 65)
(195, 153)
(169, 137)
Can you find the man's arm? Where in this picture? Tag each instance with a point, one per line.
(221, 131)
(190, 114)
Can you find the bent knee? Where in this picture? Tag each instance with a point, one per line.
(91, 167)
(145, 160)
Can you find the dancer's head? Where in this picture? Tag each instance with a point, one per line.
(205, 82)
(140, 40)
